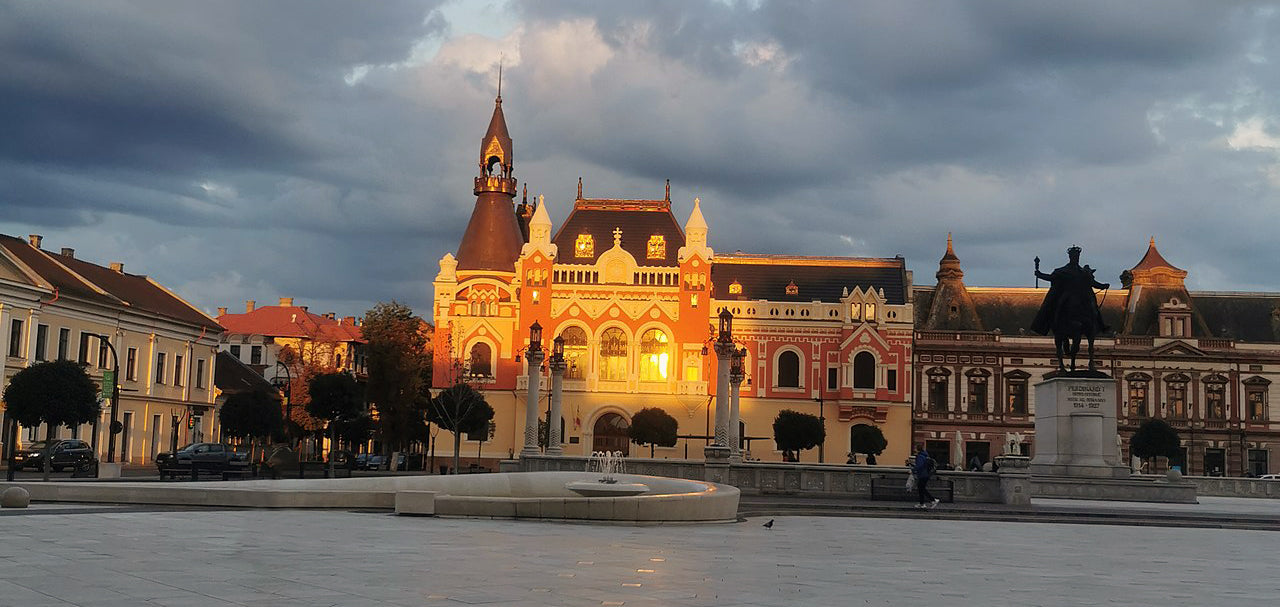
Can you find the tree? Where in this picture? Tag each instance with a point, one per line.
(254, 415)
(653, 426)
(399, 371)
(334, 396)
(57, 393)
(867, 439)
(1155, 438)
(459, 408)
(795, 431)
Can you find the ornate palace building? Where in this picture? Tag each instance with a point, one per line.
(634, 295)
(1203, 361)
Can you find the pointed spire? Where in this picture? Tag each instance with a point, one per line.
(1153, 259)
(540, 217)
(949, 265)
(951, 252)
(499, 99)
(696, 221)
(579, 188)
(667, 197)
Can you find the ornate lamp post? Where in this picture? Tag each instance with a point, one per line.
(558, 366)
(114, 427)
(534, 355)
(286, 388)
(724, 352)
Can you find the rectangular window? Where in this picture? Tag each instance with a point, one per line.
(1257, 462)
(1018, 397)
(255, 355)
(891, 379)
(42, 342)
(833, 378)
(235, 351)
(64, 343)
(83, 357)
(1138, 398)
(977, 395)
(177, 370)
(160, 368)
(15, 338)
(200, 373)
(1178, 400)
(1255, 401)
(1215, 401)
(131, 365)
(102, 353)
(937, 393)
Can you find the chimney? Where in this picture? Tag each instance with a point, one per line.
(68, 252)
(222, 311)
(286, 301)
(117, 267)
(330, 315)
(248, 306)
(35, 239)
(349, 320)
(304, 308)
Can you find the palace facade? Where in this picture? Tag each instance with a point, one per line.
(1205, 362)
(634, 295)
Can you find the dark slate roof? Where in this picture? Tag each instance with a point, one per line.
(821, 278)
(78, 278)
(1145, 316)
(231, 376)
(1011, 309)
(1251, 317)
(638, 219)
(492, 240)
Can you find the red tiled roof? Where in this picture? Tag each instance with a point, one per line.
(290, 321)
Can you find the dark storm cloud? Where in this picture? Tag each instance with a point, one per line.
(325, 150)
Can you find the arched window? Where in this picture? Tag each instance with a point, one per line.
(481, 360)
(575, 353)
(610, 434)
(938, 389)
(864, 371)
(613, 355)
(655, 355)
(788, 370)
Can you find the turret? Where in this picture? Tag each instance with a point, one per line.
(493, 237)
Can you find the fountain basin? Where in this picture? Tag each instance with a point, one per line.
(599, 489)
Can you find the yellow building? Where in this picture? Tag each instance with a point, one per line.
(55, 306)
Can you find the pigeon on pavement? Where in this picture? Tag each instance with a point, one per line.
(768, 525)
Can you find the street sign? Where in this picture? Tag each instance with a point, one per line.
(108, 384)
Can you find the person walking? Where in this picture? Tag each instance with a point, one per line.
(924, 467)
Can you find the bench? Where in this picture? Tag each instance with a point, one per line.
(894, 489)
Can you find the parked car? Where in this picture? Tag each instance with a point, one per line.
(211, 457)
(1270, 477)
(67, 453)
(377, 461)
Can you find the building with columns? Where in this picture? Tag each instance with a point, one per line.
(1203, 361)
(57, 306)
(634, 297)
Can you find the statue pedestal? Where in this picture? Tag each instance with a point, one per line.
(1076, 428)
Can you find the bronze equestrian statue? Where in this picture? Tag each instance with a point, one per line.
(1070, 309)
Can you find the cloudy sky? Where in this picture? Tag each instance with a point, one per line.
(325, 150)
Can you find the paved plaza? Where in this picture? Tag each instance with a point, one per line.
(115, 556)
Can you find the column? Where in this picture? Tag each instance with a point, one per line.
(735, 382)
(553, 424)
(724, 352)
(534, 356)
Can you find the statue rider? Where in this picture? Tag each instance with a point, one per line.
(1070, 309)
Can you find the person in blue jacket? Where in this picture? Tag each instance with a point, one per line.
(924, 467)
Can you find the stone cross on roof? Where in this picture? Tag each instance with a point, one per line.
(617, 236)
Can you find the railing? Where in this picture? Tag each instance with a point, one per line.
(1133, 340)
(1215, 424)
(576, 276)
(1217, 343)
(957, 336)
(936, 414)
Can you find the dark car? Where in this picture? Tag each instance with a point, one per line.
(210, 457)
(67, 453)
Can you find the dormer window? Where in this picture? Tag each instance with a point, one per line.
(584, 246)
(855, 311)
(869, 312)
(657, 248)
(792, 289)
(735, 288)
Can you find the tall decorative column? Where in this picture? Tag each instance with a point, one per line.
(719, 450)
(534, 356)
(736, 375)
(558, 366)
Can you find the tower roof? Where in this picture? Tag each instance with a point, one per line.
(1153, 259)
(696, 222)
(496, 141)
(494, 237)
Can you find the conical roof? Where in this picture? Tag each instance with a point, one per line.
(1153, 259)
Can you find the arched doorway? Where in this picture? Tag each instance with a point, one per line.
(610, 434)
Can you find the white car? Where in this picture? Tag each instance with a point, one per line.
(1270, 477)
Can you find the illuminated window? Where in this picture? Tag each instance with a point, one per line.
(792, 289)
(584, 246)
(1177, 395)
(575, 353)
(657, 247)
(613, 355)
(869, 312)
(1215, 392)
(735, 288)
(693, 300)
(1255, 398)
(1017, 392)
(1138, 385)
(855, 311)
(481, 360)
(655, 355)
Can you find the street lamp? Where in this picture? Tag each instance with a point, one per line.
(822, 459)
(285, 389)
(114, 427)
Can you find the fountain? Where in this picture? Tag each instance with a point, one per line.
(607, 464)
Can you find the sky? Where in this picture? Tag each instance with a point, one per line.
(325, 150)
